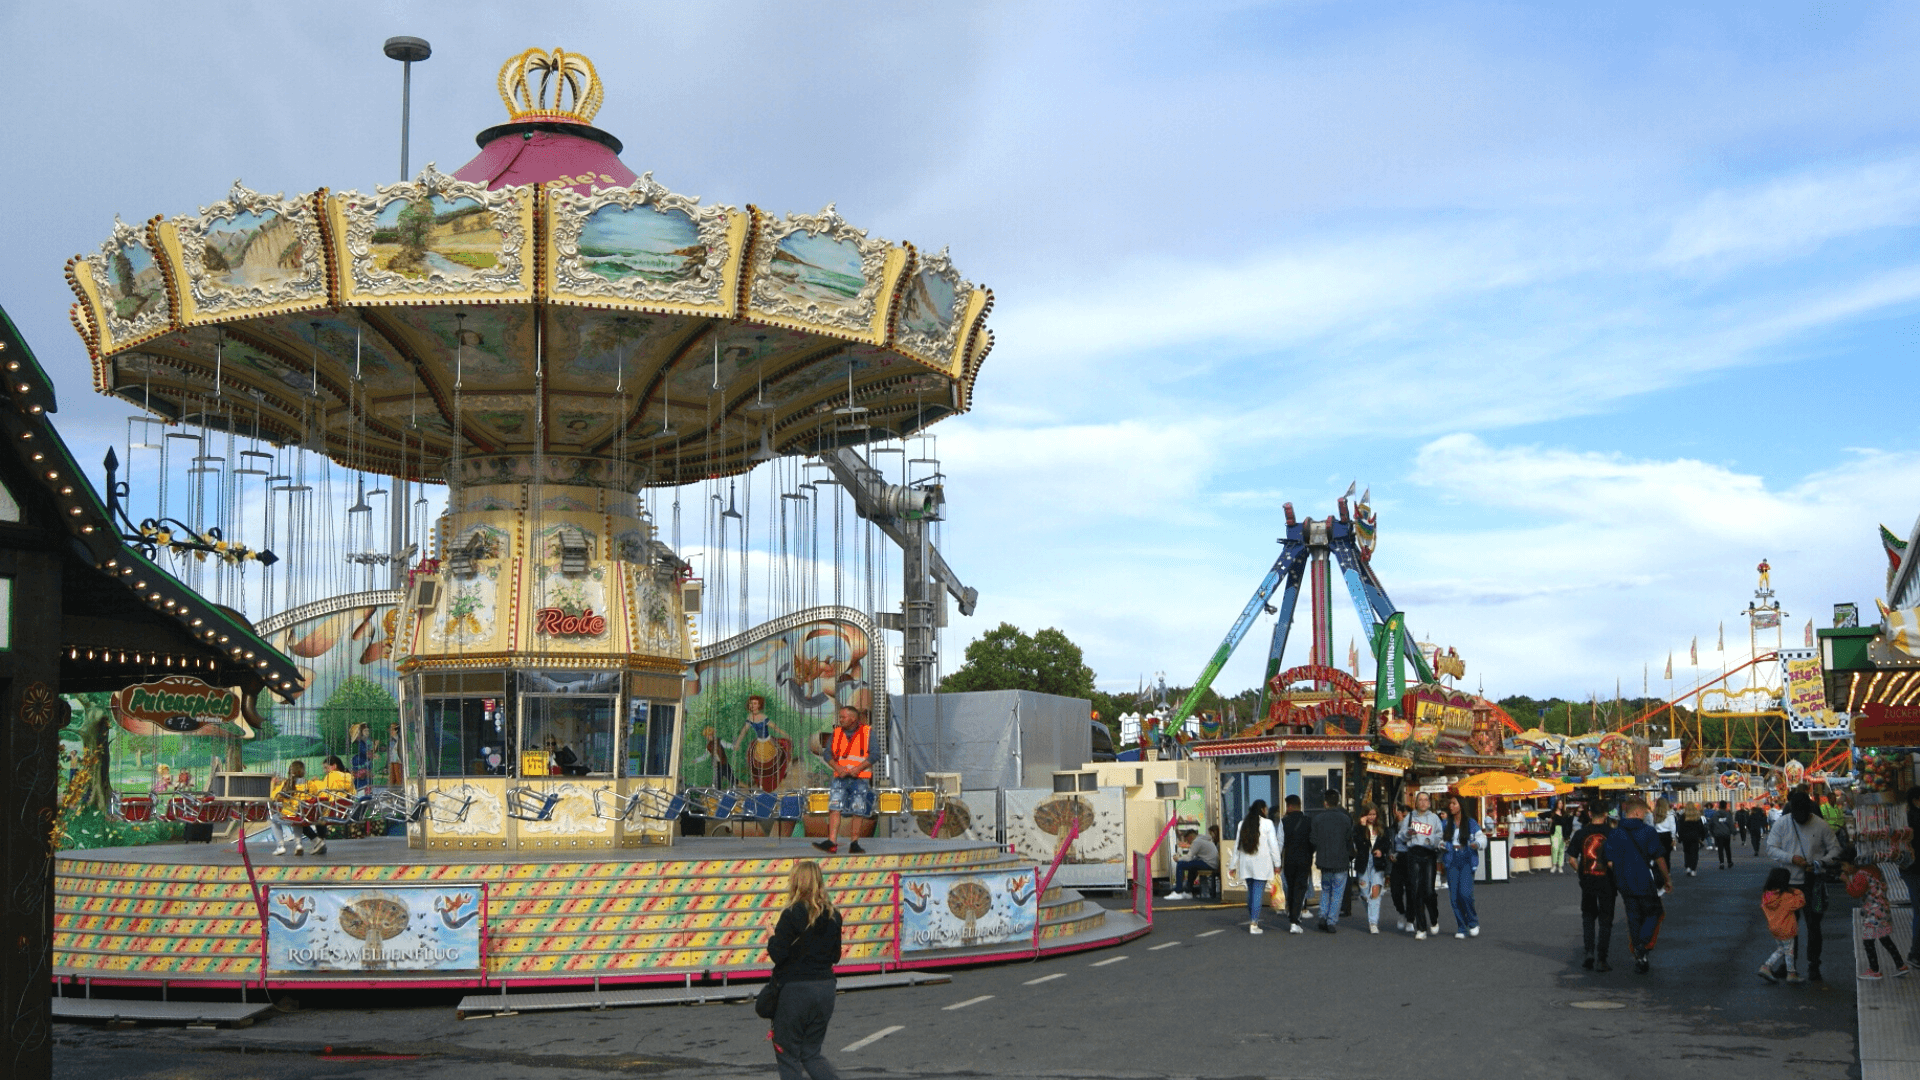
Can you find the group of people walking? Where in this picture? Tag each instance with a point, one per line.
(1369, 854)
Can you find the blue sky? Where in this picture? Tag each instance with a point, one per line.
(1606, 304)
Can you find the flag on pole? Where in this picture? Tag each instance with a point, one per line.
(1645, 673)
(1669, 675)
(1809, 633)
(1693, 652)
(1353, 656)
(1721, 645)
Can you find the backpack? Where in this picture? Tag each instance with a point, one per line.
(1592, 859)
(1721, 827)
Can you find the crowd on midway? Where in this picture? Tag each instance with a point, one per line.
(1623, 854)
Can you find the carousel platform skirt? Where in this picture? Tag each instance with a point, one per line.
(699, 910)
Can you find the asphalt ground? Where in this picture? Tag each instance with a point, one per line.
(1199, 996)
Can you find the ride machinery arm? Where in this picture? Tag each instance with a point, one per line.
(1288, 568)
(1371, 601)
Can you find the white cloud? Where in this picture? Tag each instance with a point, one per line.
(1794, 214)
(1563, 567)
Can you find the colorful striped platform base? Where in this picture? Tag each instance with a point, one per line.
(699, 910)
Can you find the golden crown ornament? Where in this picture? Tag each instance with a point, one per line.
(527, 80)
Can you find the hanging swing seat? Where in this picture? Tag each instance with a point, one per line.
(530, 804)
(610, 805)
(661, 805)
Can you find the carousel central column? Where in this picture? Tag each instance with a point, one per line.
(542, 675)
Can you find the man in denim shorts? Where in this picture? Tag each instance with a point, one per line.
(851, 757)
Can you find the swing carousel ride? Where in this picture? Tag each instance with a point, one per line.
(576, 353)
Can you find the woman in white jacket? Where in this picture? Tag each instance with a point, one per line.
(1255, 853)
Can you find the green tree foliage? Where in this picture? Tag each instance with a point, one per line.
(1004, 658)
(357, 700)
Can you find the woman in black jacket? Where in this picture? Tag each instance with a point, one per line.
(1372, 861)
(1693, 833)
(804, 947)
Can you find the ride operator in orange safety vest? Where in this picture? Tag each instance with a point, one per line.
(850, 755)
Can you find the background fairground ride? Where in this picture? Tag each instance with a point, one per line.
(539, 414)
(1427, 715)
(1759, 726)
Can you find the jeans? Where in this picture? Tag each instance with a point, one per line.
(1723, 845)
(1333, 883)
(1370, 888)
(1460, 893)
(1298, 881)
(1782, 958)
(1186, 873)
(1421, 900)
(1644, 914)
(1596, 919)
(1256, 890)
(800, 1026)
(283, 830)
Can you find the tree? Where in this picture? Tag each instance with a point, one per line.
(1004, 658)
(357, 700)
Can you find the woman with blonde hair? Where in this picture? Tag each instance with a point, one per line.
(286, 807)
(1667, 824)
(804, 947)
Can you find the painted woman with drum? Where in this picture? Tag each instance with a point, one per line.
(766, 750)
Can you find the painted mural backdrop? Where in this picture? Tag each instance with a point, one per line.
(958, 911)
(349, 710)
(374, 928)
(804, 674)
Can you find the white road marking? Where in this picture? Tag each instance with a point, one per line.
(1104, 963)
(1210, 933)
(1045, 978)
(969, 1001)
(873, 1038)
(1168, 945)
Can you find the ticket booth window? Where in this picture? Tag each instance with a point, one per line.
(570, 716)
(650, 734)
(468, 736)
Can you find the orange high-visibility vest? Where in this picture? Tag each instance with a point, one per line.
(848, 749)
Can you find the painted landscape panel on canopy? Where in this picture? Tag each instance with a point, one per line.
(133, 285)
(929, 306)
(814, 268)
(252, 250)
(432, 235)
(804, 674)
(646, 242)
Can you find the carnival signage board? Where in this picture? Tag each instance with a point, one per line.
(957, 911)
(1806, 694)
(176, 705)
(374, 928)
(1880, 724)
(1390, 679)
(554, 622)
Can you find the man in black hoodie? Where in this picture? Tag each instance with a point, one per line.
(1597, 891)
(1296, 861)
(1333, 849)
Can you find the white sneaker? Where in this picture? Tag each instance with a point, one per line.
(320, 848)
(1420, 936)
(1372, 929)
(281, 850)
(1173, 896)
(1475, 932)
(297, 850)
(1255, 930)
(1461, 934)
(1294, 928)
(1404, 925)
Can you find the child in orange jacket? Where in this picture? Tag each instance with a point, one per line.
(1780, 900)
(1867, 885)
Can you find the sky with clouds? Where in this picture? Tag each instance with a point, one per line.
(1605, 303)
